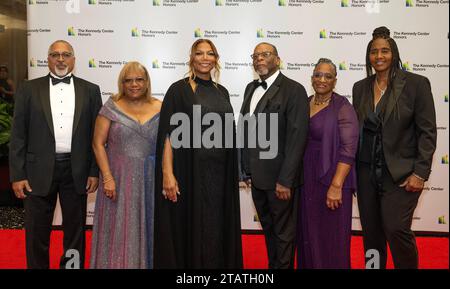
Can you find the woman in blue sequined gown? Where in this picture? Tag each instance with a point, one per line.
(124, 145)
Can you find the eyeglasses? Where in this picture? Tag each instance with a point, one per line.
(57, 55)
(319, 75)
(264, 55)
(138, 80)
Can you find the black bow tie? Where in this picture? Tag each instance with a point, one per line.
(262, 83)
(58, 80)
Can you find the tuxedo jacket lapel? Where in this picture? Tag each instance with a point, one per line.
(270, 93)
(367, 96)
(399, 83)
(79, 98)
(44, 95)
(248, 97)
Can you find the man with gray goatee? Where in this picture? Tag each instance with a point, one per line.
(51, 155)
(274, 179)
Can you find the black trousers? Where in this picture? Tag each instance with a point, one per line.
(39, 216)
(279, 220)
(386, 213)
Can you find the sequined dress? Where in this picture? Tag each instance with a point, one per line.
(123, 229)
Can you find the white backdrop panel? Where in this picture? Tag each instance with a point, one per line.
(108, 33)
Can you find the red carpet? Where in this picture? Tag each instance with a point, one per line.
(433, 252)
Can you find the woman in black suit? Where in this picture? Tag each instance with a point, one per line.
(398, 138)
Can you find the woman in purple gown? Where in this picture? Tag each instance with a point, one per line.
(325, 211)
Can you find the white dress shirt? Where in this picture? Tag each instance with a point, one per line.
(62, 103)
(260, 91)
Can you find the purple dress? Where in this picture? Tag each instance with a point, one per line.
(323, 240)
(123, 229)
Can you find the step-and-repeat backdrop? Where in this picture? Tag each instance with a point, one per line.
(159, 33)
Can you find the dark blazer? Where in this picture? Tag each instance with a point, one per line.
(409, 124)
(289, 100)
(32, 145)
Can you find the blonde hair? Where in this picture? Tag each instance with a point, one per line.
(133, 66)
(191, 72)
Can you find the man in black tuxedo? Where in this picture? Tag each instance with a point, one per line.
(274, 178)
(51, 154)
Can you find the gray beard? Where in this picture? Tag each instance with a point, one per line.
(262, 72)
(60, 72)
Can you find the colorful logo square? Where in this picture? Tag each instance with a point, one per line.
(92, 63)
(343, 66)
(70, 31)
(406, 66)
(259, 33)
(198, 33)
(155, 64)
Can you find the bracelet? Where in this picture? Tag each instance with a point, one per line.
(107, 180)
(107, 174)
(336, 186)
(419, 177)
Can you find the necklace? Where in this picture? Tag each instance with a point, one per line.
(321, 101)
(382, 91)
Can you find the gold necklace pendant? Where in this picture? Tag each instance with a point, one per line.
(320, 102)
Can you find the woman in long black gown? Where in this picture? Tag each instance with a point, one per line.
(197, 213)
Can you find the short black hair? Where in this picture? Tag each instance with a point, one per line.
(275, 50)
(327, 61)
